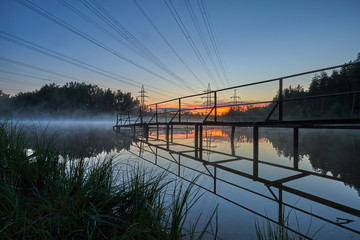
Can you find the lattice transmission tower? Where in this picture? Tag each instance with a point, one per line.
(235, 101)
(208, 96)
(142, 97)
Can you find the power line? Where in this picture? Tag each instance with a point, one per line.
(69, 27)
(212, 36)
(183, 29)
(138, 50)
(202, 38)
(31, 76)
(70, 60)
(18, 82)
(235, 99)
(142, 97)
(208, 96)
(167, 42)
(122, 31)
(39, 69)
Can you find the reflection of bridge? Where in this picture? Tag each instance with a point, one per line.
(164, 150)
(155, 121)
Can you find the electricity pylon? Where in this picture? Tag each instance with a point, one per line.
(142, 97)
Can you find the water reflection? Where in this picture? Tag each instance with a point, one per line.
(319, 168)
(82, 140)
(318, 162)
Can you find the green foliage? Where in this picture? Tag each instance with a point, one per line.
(275, 231)
(347, 79)
(45, 194)
(73, 96)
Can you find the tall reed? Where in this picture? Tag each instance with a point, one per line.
(47, 194)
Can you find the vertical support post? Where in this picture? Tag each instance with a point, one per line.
(157, 122)
(179, 109)
(215, 104)
(214, 180)
(201, 141)
(156, 155)
(129, 117)
(167, 136)
(256, 151)
(280, 210)
(156, 113)
(232, 138)
(141, 117)
(296, 148)
(172, 133)
(157, 131)
(179, 167)
(280, 99)
(196, 143)
(187, 128)
(147, 132)
(141, 149)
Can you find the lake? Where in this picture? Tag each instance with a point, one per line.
(316, 186)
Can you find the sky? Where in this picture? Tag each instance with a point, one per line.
(174, 48)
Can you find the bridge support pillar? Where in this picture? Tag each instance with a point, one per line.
(172, 133)
(196, 140)
(157, 131)
(296, 148)
(201, 141)
(167, 136)
(146, 132)
(232, 138)
(255, 151)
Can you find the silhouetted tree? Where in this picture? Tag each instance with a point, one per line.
(73, 96)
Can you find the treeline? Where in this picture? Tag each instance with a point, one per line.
(69, 98)
(344, 80)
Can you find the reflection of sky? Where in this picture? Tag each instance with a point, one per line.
(329, 189)
(233, 219)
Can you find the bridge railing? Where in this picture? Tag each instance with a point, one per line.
(176, 109)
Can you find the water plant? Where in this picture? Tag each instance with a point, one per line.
(47, 194)
(283, 231)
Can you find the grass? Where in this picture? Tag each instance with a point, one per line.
(47, 194)
(282, 231)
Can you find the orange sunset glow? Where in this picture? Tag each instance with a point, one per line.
(207, 133)
(202, 110)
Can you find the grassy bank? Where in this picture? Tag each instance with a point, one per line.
(48, 194)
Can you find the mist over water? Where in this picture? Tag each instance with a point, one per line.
(325, 152)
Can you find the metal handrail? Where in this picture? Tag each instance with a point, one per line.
(278, 102)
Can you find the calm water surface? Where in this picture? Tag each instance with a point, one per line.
(327, 172)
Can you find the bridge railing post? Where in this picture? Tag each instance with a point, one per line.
(200, 141)
(156, 113)
(215, 104)
(141, 117)
(157, 122)
(280, 99)
(179, 109)
(196, 139)
(255, 151)
(296, 148)
(167, 136)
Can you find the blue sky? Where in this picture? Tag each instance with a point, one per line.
(254, 41)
